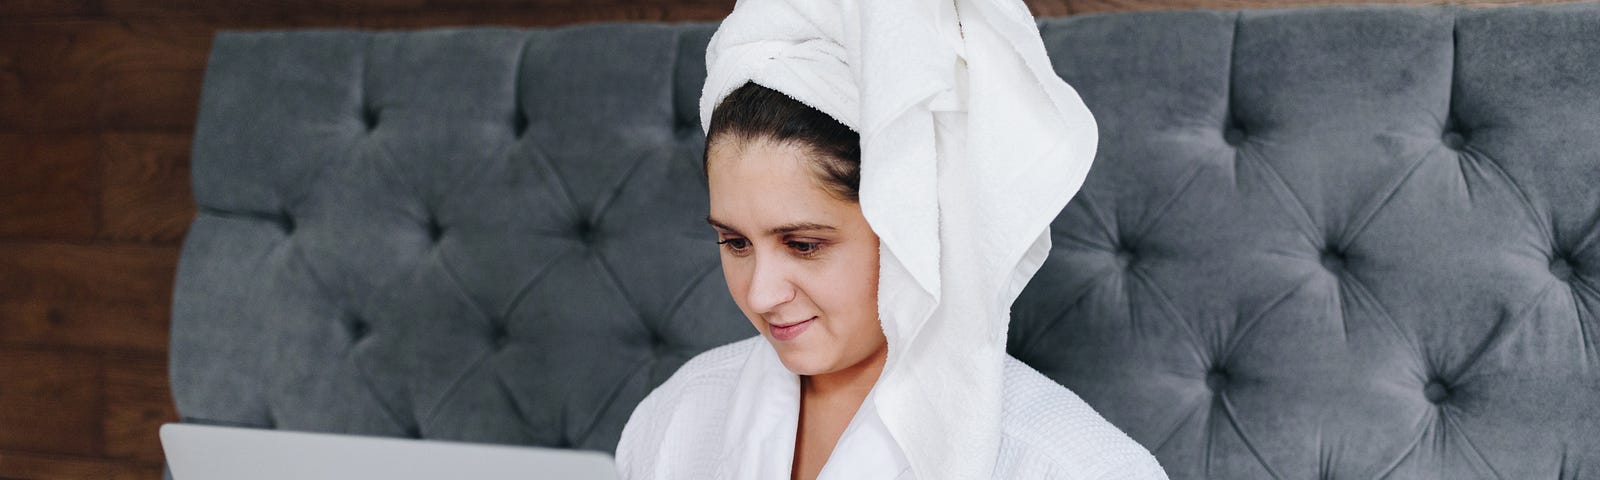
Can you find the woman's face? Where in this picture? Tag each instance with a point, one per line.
(801, 264)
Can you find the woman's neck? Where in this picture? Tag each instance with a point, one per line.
(827, 404)
(850, 384)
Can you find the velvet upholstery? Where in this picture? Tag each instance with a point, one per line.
(1332, 242)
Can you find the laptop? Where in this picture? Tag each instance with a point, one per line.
(206, 452)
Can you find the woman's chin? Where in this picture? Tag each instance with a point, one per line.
(802, 359)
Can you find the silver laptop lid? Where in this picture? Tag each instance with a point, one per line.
(203, 452)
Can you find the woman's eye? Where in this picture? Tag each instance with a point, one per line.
(735, 244)
(805, 248)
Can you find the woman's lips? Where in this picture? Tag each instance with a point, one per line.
(788, 332)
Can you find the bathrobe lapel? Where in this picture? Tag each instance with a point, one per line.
(763, 419)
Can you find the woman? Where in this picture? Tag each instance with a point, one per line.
(882, 176)
(801, 262)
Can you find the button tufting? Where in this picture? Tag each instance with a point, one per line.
(1453, 138)
(1333, 260)
(435, 230)
(1124, 257)
(357, 328)
(658, 345)
(584, 231)
(413, 432)
(286, 223)
(685, 128)
(1233, 135)
(499, 337)
(1232, 131)
(1561, 268)
(369, 117)
(519, 122)
(1436, 392)
(1216, 379)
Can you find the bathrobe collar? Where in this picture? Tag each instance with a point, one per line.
(764, 418)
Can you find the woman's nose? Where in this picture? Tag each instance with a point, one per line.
(769, 286)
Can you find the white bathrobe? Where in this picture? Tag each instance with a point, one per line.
(970, 145)
(689, 428)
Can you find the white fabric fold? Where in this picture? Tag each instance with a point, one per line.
(759, 437)
(971, 145)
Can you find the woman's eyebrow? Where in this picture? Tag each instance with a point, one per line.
(778, 230)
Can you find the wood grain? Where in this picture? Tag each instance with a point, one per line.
(148, 100)
(84, 76)
(52, 401)
(24, 465)
(146, 196)
(137, 402)
(95, 274)
(48, 188)
(131, 9)
(46, 323)
(86, 296)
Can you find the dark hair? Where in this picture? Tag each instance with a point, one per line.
(753, 112)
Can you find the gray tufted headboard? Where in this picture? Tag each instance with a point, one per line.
(1338, 242)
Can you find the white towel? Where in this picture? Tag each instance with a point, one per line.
(971, 145)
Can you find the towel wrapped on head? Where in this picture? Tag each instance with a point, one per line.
(970, 147)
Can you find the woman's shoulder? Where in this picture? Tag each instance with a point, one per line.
(686, 407)
(711, 365)
(708, 374)
(1046, 428)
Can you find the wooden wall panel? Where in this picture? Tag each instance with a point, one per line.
(25, 465)
(85, 75)
(148, 100)
(110, 297)
(136, 403)
(95, 274)
(98, 100)
(51, 401)
(45, 323)
(145, 195)
(48, 185)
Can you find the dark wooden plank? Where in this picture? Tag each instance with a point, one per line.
(87, 274)
(28, 9)
(48, 188)
(94, 101)
(51, 467)
(103, 296)
(164, 19)
(131, 9)
(138, 326)
(76, 46)
(51, 401)
(146, 196)
(1049, 8)
(98, 296)
(35, 102)
(138, 401)
(710, 12)
(82, 76)
(149, 100)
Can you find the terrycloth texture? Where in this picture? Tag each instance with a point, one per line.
(971, 145)
(1047, 432)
